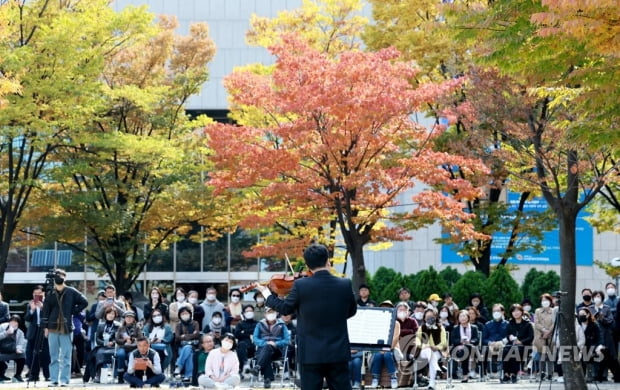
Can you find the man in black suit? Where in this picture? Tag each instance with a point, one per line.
(323, 303)
(37, 350)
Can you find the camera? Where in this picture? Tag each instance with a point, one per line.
(559, 294)
(49, 281)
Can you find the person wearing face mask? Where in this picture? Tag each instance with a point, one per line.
(259, 307)
(418, 312)
(187, 336)
(603, 316)
(180, 301)
(464, 337)
(526, 304)
(543, 329)
(476, 301)
(234, 309)
(105, 341)
(612, 298)
(434, 300)
(110, 301)
(199, 312)
(222, 366)
(217, 327)
(160, 336)
(10, 331)
(156, 302)
(432, 340)
(127, 337)
(519, 334)
(271, 337)
(57, 326)
(446, 319)
(586, 296)
(594, 341)
(243, 333)
(210, 306)
(494, 332)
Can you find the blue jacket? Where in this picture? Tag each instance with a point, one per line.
(494, 331)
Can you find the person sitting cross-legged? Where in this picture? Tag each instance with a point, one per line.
(144, 367)
(271, 337)
(222, 366)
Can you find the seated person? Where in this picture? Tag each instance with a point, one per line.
(290, 352)
(105, 340)
(127, 336)
(200, 356)
(243, 332)
(271, 337)
(14, 348)
(464, 338)
(144, 367)
(520, 333)
(494, 333)
(432, 341)
(386, 357)
(216, 327)
(187, 336)
(355, 368)
(160, 336)
(222, 366)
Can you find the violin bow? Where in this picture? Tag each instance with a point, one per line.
(289, 263)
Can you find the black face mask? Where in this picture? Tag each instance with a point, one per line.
(58, 280)
(430, 321)
(583, 318)
(587, 298)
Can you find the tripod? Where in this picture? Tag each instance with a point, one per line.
(38, 352)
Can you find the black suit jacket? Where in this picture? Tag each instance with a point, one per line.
(323, 303)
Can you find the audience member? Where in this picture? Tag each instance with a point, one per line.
(160, 336)
(187, 335)
(173, 309)
(127, 337)
(432, 341)
(199, 312)
(259, 306)
(106, 341)
(234, 309)
(200, 357)
(476, 301)
(543, 329)
(156, 302)
(243, 333)
(12, 347)
(381, 358)
(449, 303)
(110, 301)
(519, 334)
(271, 337)
(222, 366)
(211, 306)
(464, 339)
(144, 366)
(364, 297)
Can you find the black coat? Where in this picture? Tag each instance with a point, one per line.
(455, 335)
(323, 303)
(245, 329)
(70, 301)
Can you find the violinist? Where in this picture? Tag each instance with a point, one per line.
(323, 303)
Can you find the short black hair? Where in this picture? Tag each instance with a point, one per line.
(316, 256)
(363, 286)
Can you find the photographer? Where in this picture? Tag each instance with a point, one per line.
(110, 301)
(57, 324)
(144, 367)
(12, 347)
(37, 348)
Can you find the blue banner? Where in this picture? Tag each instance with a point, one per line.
(551, 251)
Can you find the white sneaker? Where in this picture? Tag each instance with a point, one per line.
(375, 383)
(473, 375)
(393, 383)
(560, 379)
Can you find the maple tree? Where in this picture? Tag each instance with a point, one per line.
(132, 181)
(54, 51)
(341, 144)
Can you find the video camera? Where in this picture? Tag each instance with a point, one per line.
(49, 281)
(559, 294)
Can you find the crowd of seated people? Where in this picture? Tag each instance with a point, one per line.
(501, 342)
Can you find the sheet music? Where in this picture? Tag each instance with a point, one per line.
(371, 326)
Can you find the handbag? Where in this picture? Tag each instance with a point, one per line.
(8, 345)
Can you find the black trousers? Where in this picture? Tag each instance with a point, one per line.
(264, 357)
(336, 375)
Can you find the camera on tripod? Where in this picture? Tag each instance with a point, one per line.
(559, 294)
(49, 281)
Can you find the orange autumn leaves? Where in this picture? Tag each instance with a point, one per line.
(338, 140)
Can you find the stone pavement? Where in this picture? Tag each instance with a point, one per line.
(441, 385)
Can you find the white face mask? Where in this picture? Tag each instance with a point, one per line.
(216, 320)
(234, 299)
(545, 303)
(597, 300)
(227, 345)
(294, 322)
(180, 298)
(435, 303)
(418, 315)
(248, 315)
(260, 300)
(271, 316)
(497, 315)
(210, 297)
(443, 315)
(185, 317)
(192, 300)
(157, 319)
(402, 315)
(527, 308)
(611, 292)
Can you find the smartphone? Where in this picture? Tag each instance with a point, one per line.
(38, 298)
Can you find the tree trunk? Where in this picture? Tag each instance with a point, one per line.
(573, 374)
(356, 251)
(483, 262)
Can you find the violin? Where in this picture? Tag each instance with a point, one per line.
(279, 284)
